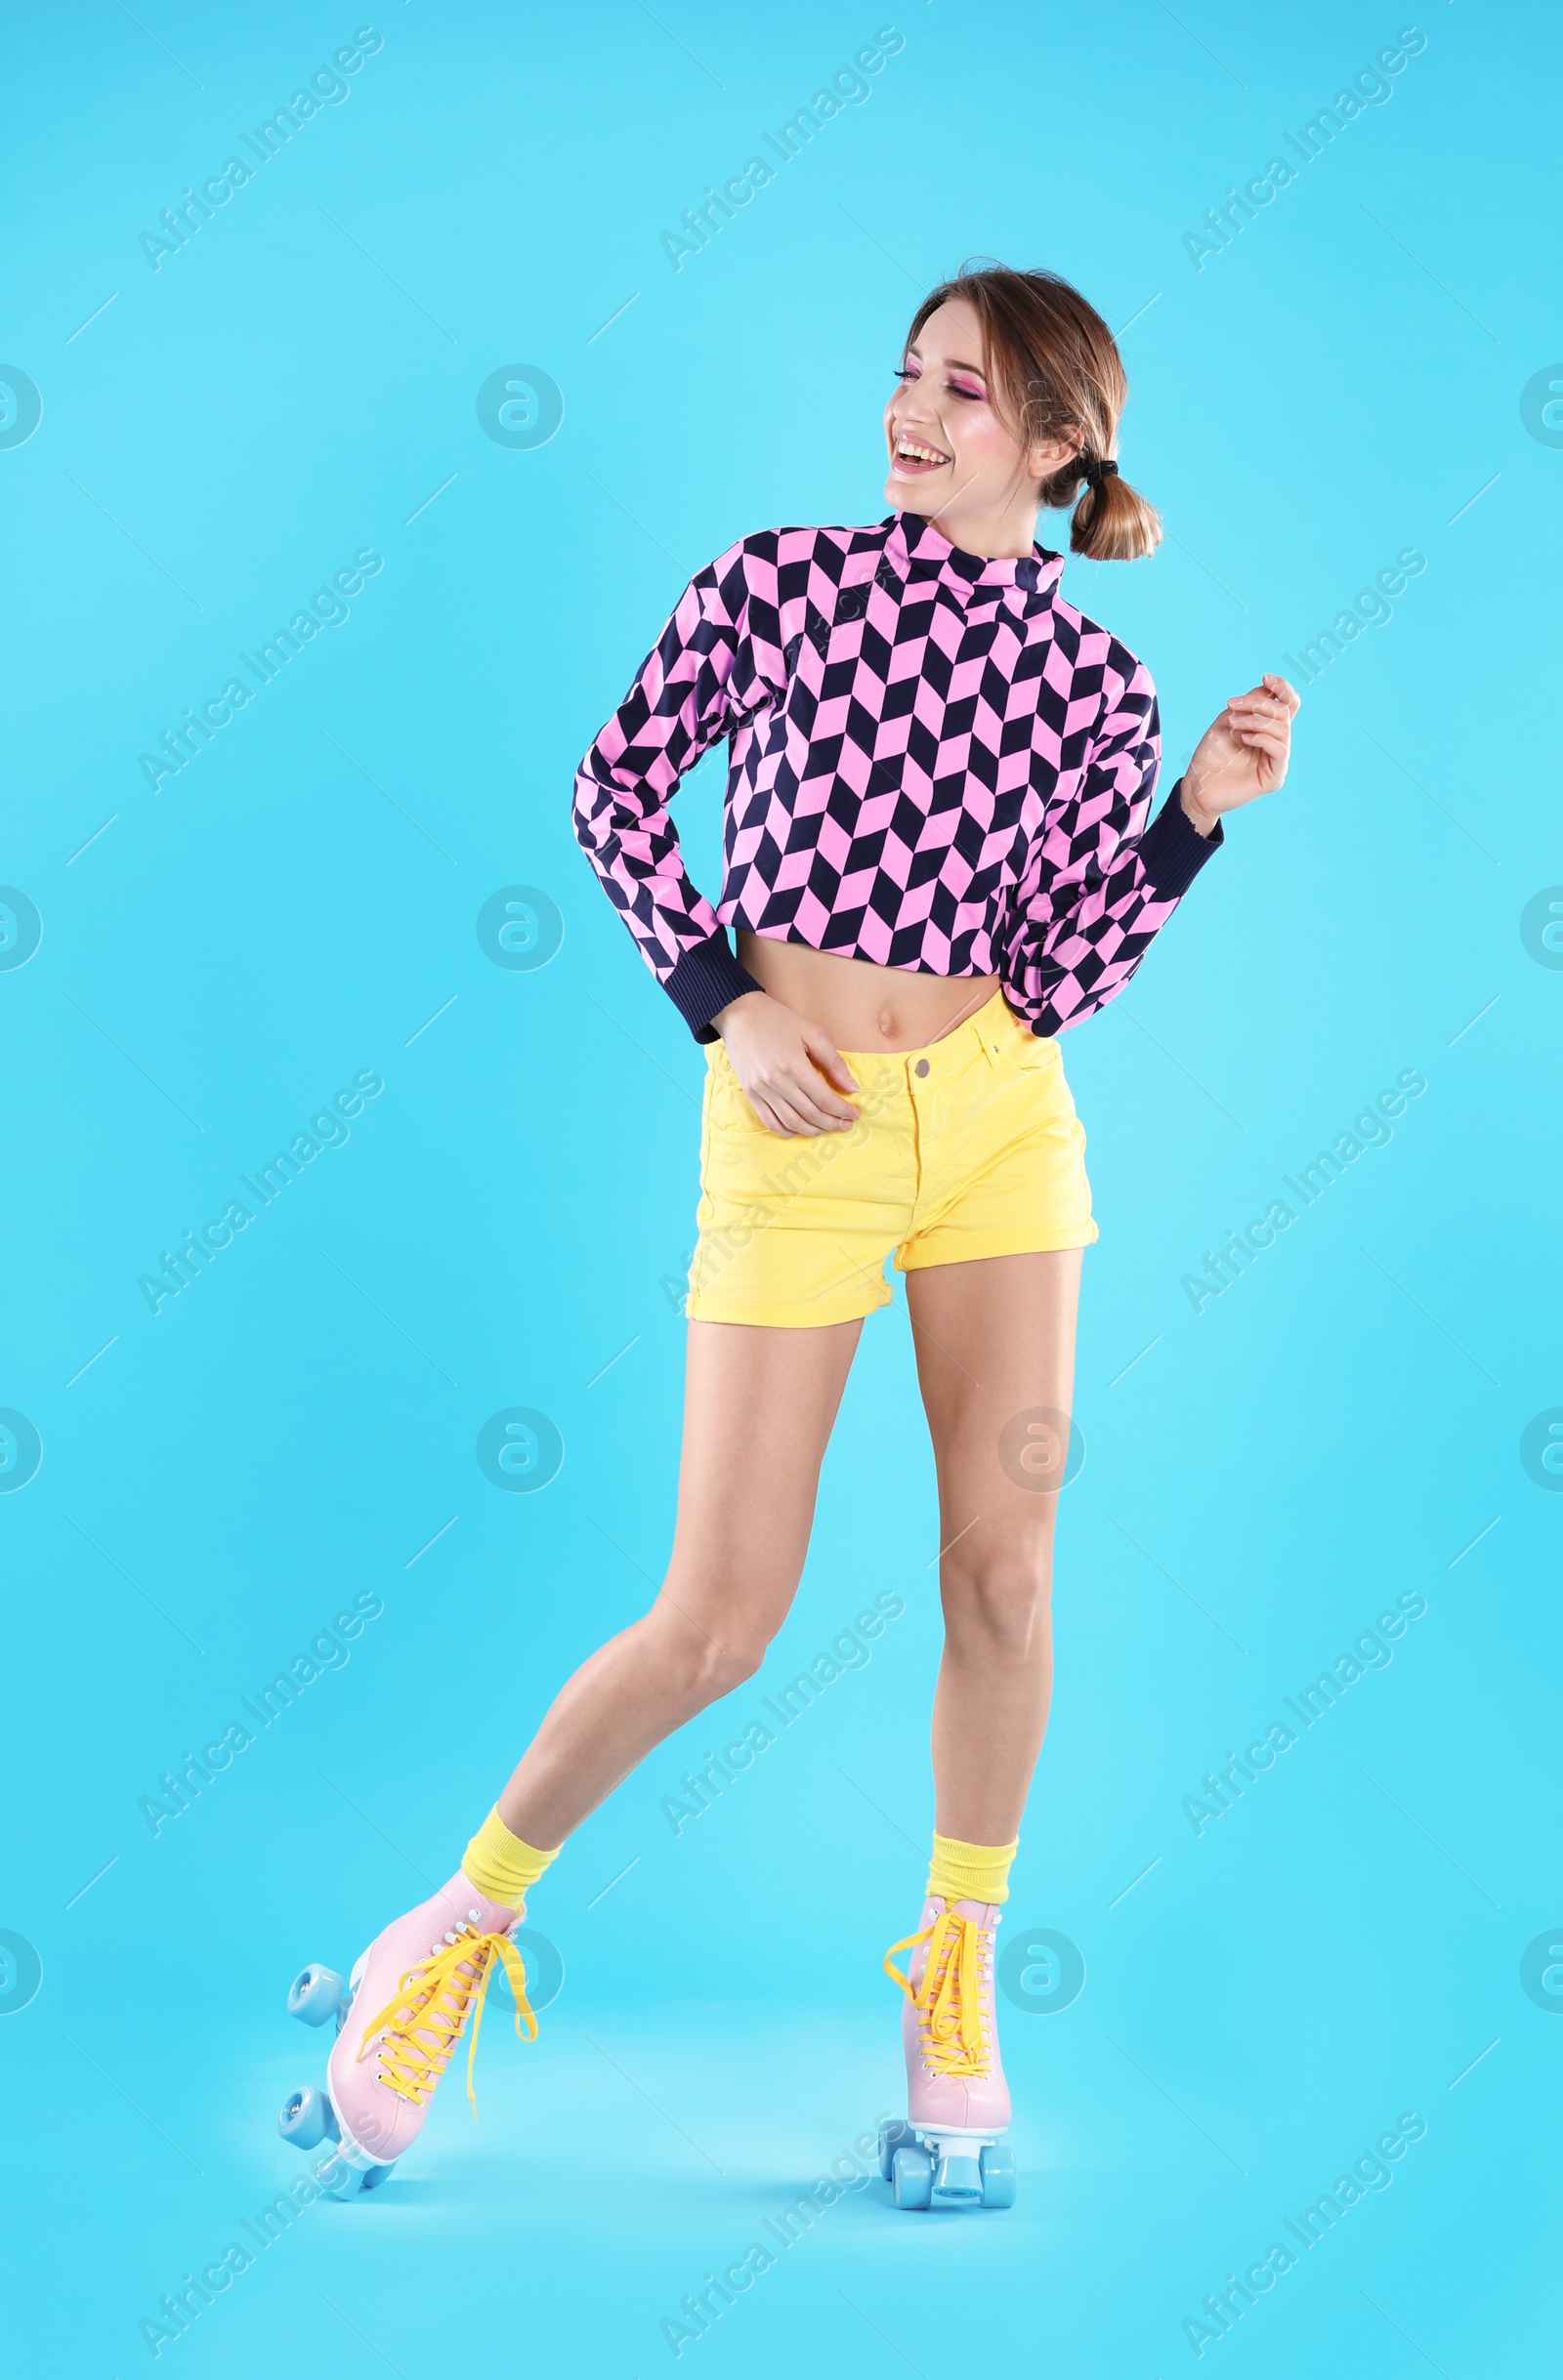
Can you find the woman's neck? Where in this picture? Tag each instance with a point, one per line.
(996, 532)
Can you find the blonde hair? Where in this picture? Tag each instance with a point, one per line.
(1055, 371)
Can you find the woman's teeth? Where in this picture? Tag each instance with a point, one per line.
(910, 455)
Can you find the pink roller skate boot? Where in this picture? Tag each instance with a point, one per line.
(398, 2018)
(948, 2150)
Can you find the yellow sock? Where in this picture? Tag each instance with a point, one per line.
(970, 1871)
(501, 1864)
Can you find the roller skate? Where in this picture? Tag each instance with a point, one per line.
(948, 2150)
(397, 2017)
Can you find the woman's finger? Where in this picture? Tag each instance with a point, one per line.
(819, 1108)
(779, 1117)
(796, 1113)
(828, 1058)
(1273, 691)
(792, 1086)
(808, 1089)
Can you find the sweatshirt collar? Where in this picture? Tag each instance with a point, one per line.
(917, 550)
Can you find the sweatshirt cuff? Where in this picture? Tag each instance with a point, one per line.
(1172, 849)
(706, 978)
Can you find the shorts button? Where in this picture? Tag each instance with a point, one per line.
(921, 1067)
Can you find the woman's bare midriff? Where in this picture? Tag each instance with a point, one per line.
(861, 1006)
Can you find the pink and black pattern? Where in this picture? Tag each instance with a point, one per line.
(936, 764)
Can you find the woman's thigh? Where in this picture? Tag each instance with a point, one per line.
(996, 1362)
(759, 1405)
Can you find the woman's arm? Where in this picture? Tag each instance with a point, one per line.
(1102, 882)
(1242, 754)
(712, 665)
(699, 677)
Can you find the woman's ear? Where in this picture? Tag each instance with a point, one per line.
(1048, 455)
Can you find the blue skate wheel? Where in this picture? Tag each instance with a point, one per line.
(374, 2175)
(306, 2117)
(960, 2175)
(892, 2133)
(315, 1995)
(911, 2176)
(998, 2175)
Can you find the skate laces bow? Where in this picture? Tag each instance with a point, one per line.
(422, 2022)
(949, 1998)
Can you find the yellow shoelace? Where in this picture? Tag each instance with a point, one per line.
(423, 2021)
(949, 1999)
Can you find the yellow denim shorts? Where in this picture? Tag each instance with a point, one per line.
(968, 1148)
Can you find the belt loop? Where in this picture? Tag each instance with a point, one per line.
(983, 1026)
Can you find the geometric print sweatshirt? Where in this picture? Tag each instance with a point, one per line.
(935, 764)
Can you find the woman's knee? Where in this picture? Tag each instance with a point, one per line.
(1001, 1605)
(723, 1667)
(706, 1659)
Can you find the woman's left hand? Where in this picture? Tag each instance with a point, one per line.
(1242, 754)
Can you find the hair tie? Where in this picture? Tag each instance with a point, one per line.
(1096, 472)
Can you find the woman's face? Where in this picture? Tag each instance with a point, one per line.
(948, 446)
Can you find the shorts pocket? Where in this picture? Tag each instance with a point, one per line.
(728, 1108)
(1036, 1053)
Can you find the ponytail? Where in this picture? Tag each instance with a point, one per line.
(1112, 521)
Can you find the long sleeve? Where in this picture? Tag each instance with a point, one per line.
(697, 685)
(1100, 884)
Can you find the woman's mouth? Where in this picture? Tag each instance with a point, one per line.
(911, 458)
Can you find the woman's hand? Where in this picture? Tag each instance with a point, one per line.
(1242, 754)
(785, 1065)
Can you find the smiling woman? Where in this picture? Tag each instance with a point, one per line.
(939, 854)
(996, 360)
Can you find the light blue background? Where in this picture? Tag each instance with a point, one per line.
(296, 905)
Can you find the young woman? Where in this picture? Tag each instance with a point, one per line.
(939, 854)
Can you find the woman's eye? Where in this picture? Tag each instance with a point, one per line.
(973, 397)
(905, 372)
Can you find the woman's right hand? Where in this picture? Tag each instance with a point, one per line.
(786, 1067)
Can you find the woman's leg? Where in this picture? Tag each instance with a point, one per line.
(759, 1404)
(995, 1340)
